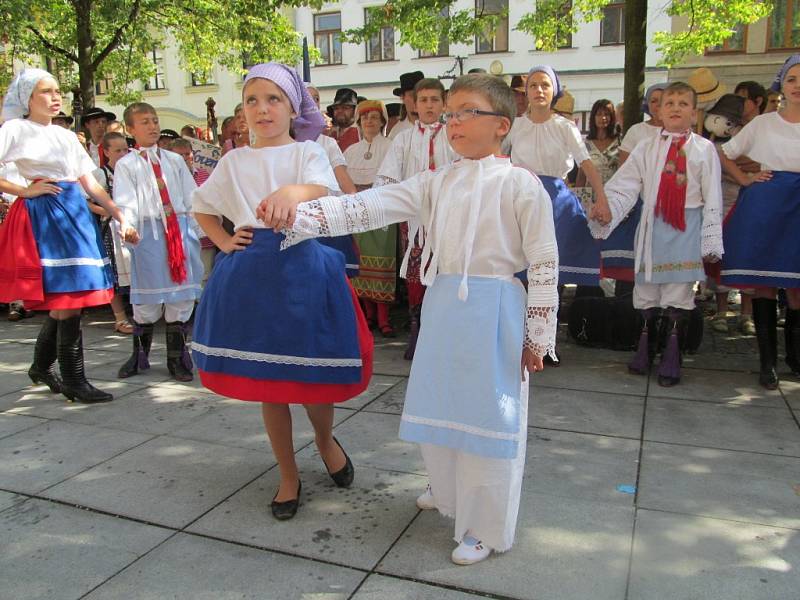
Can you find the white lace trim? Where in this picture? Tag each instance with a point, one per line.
(787, 274)
(177, 288)
(74, 262)
(471, 429)
(279, 359)
(541, 315)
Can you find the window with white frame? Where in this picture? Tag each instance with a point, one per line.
(156, 82)
(380, 46)
(612, 27)
(328, 37)
(494, 39)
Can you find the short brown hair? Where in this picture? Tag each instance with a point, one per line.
(494, 89)
(136, 108)
(179, 143)
(112, 135)
(428, 84)
(679, 87)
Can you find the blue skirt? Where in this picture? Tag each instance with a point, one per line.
(70, 247)
(578, 251)
(677, 255)
(465, 384)
(347, 246)
(761, 234)
(617, 254)
(150, 279)
(268, 314)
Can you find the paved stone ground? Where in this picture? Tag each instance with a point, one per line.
(631, 492)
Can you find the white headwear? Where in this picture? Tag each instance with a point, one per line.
(15, 104)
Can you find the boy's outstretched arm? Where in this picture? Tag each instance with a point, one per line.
(278, 209)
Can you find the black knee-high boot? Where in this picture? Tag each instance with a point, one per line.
(70, 359)
(765, 317)
(669, 369)
(179, 362)
(45, 353)
(138, 361)
(646, 350)
(792, 332)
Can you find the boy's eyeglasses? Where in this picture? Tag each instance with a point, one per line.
(466, 114)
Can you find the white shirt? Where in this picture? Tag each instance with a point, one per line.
(641, 175)
(94, 152)
(335, 156)
(550, 148)
(136, 191)
(362, 170)
(9, 172)
(409, 153)
(245, 176)
(43, 151)
(400, 127)
(770, 140)
(638, 132)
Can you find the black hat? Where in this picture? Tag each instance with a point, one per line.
(729, 106)
(517, 83)
(64, 117)
(408, 81)
(169, 133)
(344, 96)
(96, 113)
(476, 70)
(393, 109)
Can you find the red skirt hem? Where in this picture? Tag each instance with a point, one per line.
(618, 273)
(72, 300)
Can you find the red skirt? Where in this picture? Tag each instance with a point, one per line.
(294, 392)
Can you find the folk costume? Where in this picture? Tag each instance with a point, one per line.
(118, 252)
(466, 404)
(678, 178)
(375, 284)
(276, 326)
(153, 188)
(51, 254)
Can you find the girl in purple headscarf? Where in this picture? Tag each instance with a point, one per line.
(279, 327)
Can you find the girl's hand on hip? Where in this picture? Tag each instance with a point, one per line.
(240, 240)
(40, 188)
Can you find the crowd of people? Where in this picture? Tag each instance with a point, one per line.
(485, 200)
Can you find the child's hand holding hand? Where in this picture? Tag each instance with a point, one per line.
(240, 240)
(531, 362)
(600, 210)
(278, 209)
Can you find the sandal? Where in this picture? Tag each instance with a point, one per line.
(123, 326)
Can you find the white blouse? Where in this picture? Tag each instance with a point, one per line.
(482, 217)
(333, 151)
(43, 151)
(638, 132)
(399, 128)
(245, 176)
(409, 153)
(365, 158)
(770, 140)
(550, 148)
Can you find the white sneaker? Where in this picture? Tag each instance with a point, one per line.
(470, 551)
(425, 501)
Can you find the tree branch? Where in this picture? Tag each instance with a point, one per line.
(115, 41)
(52, 47)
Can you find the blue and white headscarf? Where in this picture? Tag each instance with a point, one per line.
(777, 84)
(18, 96)
(646, 100)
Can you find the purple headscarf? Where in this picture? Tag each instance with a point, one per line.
(558, 90)
(309, 122)
(793, 60)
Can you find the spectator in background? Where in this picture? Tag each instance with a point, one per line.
(115, 127)
(520, 95)
(602, 141)
(167, 137)
(94, 121)
(189, 131)
(62, 120)
(646, 129)
(620, 115)
(773, 101)
(755, 99)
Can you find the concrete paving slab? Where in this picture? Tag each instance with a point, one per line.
(53, 551)
(391, 401)
(11, 424)
(167, 481)
(791, 392)
(741, 486)
(678, 557)
(388, 356)
(721, 387)
(734, 427)
(16, 357)
(719, 360)
(354, 526)
(13, 381)
(104, 365)
(587, 412)
(195, 568)
(378, 385)
(380, 587)
(39, 401)
(7, 499)
(576, 465)
(239, 424)
(39, 457)
(603, 376)
(571, 352)
(565, 548)
(371, 440)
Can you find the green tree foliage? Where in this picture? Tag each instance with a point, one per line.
(90, 40)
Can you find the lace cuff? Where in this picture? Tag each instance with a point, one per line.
(381, 180)
(541, 320)
(711, 240)
(334, 216)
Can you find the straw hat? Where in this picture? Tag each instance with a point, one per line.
(707, 86)
(565, 105)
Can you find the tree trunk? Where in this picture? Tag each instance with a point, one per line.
(83, 14)
(635, 58)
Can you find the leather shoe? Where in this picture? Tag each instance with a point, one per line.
(283, 511)
(344, 476)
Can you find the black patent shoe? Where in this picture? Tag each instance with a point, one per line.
(343, 477)
(283, 511)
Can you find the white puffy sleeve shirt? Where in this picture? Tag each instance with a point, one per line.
(363, 170)
(637, 133)
(333, 151)
(769, 140)
(43, 151)
(245, 176)
(550, 148)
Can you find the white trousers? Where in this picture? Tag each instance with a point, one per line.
(482, 494)
(172, 311)
(663, 295)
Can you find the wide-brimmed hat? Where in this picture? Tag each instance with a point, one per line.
(729, 106)
(706, 84)
(96, 113)
(345, 96)
(565, 105)
(408, 81)
(393, 109)
(64, 117)
(518, 84)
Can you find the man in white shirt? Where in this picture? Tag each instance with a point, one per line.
(94, 120)
(406, 93)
